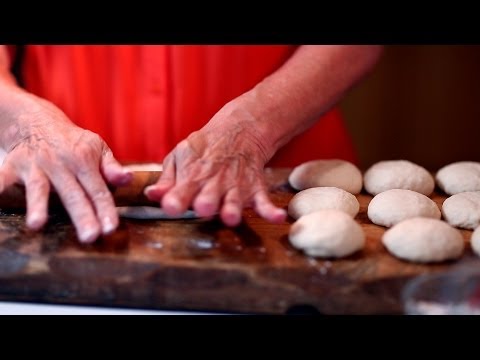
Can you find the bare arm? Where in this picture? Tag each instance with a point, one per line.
(220, 167)
(46, 150)
(5, 75)
(313, 80)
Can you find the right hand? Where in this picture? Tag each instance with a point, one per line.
(45, 151)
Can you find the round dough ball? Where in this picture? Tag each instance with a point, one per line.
(326, 234)
(337, 173)
(398, 174)
(463, 210)
(392, 206)
(424, 240)
(322, 198)
(475, 241)
(459, 177)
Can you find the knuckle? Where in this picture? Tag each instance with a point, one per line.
(83, 150)
(91, 137)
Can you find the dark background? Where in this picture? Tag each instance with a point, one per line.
(420, 103)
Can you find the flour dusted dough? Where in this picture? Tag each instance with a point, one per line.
(475, 241)
(463, 210)
(322, 198)
(327, 233)
(337, 173)
(392, 206)
(398, 174)
(459, 177)
(151, 213)
(424, 240)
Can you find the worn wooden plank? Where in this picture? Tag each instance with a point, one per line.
(203, 265)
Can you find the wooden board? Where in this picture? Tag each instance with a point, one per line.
(203, 265)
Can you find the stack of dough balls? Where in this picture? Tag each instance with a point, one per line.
(401, 189)
(325, 208)
(461, 180)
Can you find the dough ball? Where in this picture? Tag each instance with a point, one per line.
(459, 177)
(326, 234)
(398, 174)
(322, 198)
(424, 240)
(151, 213)
(463, 210)
(337, 173)
(392, 206)
(475, 241)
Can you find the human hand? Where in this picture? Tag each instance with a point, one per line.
(218, 169)
(45, 151)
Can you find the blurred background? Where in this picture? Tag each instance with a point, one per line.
(421, 103)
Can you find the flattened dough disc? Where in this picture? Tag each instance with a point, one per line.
(151, 213)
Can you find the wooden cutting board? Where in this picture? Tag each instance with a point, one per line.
(203, 265)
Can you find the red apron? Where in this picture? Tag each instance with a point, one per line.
(143, 100)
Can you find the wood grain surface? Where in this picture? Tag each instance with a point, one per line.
(203, 265)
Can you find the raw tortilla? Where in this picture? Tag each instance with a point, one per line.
(151, 213)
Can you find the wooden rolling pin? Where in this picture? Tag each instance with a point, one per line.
(130, 195)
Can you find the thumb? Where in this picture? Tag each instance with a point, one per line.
(112, 170)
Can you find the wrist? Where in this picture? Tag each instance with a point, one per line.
(236, 119)
(20, 112)
(266, 118)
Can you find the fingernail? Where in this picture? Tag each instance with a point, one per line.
(232, 219)
(34, 220)
(151, 193)
(280, 215)
(149, 189)
(127, 176)
(127, 172)
(88, 235)
(107, 225)
(172, 204)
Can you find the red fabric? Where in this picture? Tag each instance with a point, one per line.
(143, 100)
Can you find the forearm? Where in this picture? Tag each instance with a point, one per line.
(21, 111)
(6, 77)
(9, 92)
(290, 100)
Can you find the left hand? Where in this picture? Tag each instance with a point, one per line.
(218, 169)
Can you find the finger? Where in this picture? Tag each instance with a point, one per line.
(178, 199)
(207, 201)
(165, 183)
(231, 212)
(102, 199)
(8, 177)
(113, 171)
(76, 203)
(37, 189)
(266, 209)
